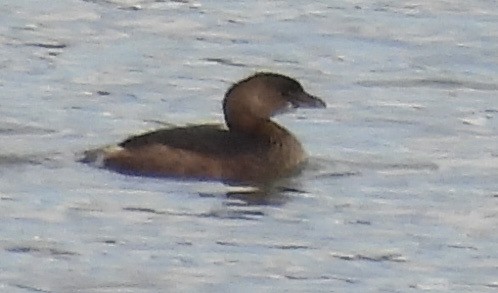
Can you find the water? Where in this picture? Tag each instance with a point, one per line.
(401, 193)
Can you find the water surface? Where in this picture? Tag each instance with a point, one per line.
(400, 194)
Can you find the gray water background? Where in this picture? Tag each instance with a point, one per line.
(401, 193)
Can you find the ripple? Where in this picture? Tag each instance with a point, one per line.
(459, 246)
(143, 210)
(290, 247)
(7, 128)
(47, 45)
(323, 277)
(41, 251)
(224, 61)
(430, 82)
(226, 243)
(338, 174)
(391, 257)
(9, 160)
(232, 212)
(374, 164)
(30, 288)
(236, 214)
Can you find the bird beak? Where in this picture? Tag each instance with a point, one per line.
(305, 100)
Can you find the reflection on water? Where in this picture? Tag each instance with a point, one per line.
(272, 196)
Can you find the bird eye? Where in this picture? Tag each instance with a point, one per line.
(288, 92)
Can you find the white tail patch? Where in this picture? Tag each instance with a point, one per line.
(97, 156)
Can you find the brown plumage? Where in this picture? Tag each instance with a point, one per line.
(253, 149)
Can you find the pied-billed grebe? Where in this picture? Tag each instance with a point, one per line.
(253, 149)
